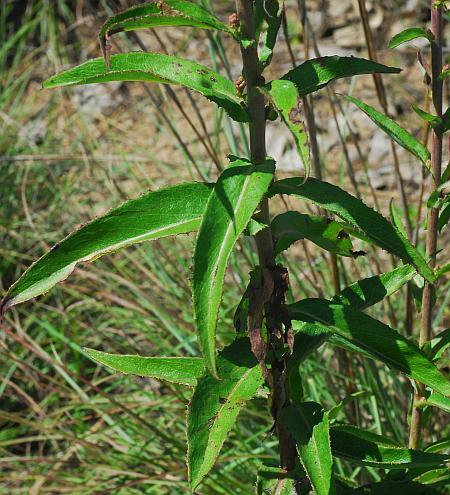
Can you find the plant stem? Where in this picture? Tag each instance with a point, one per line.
(264, 241)
(433, 213)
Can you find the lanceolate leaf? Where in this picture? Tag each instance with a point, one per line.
(370, 449)
(308, 424)
(318, 72)
(184, 370)
(235, 197)
(156, 67)
(369, 291)
(216, 404)
(409, 35)
(171, 211)
(359, 215)
(395, 131)
(292, 226)
(160, 13)
(376, 338)
(285, 98)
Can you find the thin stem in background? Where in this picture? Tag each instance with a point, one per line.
(381, 94)
(433, 214)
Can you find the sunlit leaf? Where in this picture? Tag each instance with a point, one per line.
(284, 97)
(171, 211)
(395, 131)
(184, 370)
(292, 226)
(374, 337)
(160, 13)
(316, 73)
(267, 12)
(358, 214)
(156, 67)
(273, 480)
(215, 406)
(308, 424)
(409, 34)
(232, 203)
(371, 290)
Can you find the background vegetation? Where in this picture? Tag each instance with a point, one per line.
(67, 425)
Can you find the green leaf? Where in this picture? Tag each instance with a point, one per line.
(444, 217)
(359, 215)
(232, 203)
(304, 345)
(444, 74)
(371, 290)
(184, 370)
(376, 338)
(292, 226)
(438, 400)
(171, 211)
(156, 67)
(215, 406)
(334, 412)
(271, 13)
(396, 218)
(369, 449)
(308, 424)
(273, 480)
(316, 73)
(433, 120)
(394, 487)
(395, 132)
(409, 34)
(446, 121)
(284, 97)
(440, 344)
(160, 13)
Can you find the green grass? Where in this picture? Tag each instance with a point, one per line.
(66, 424)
